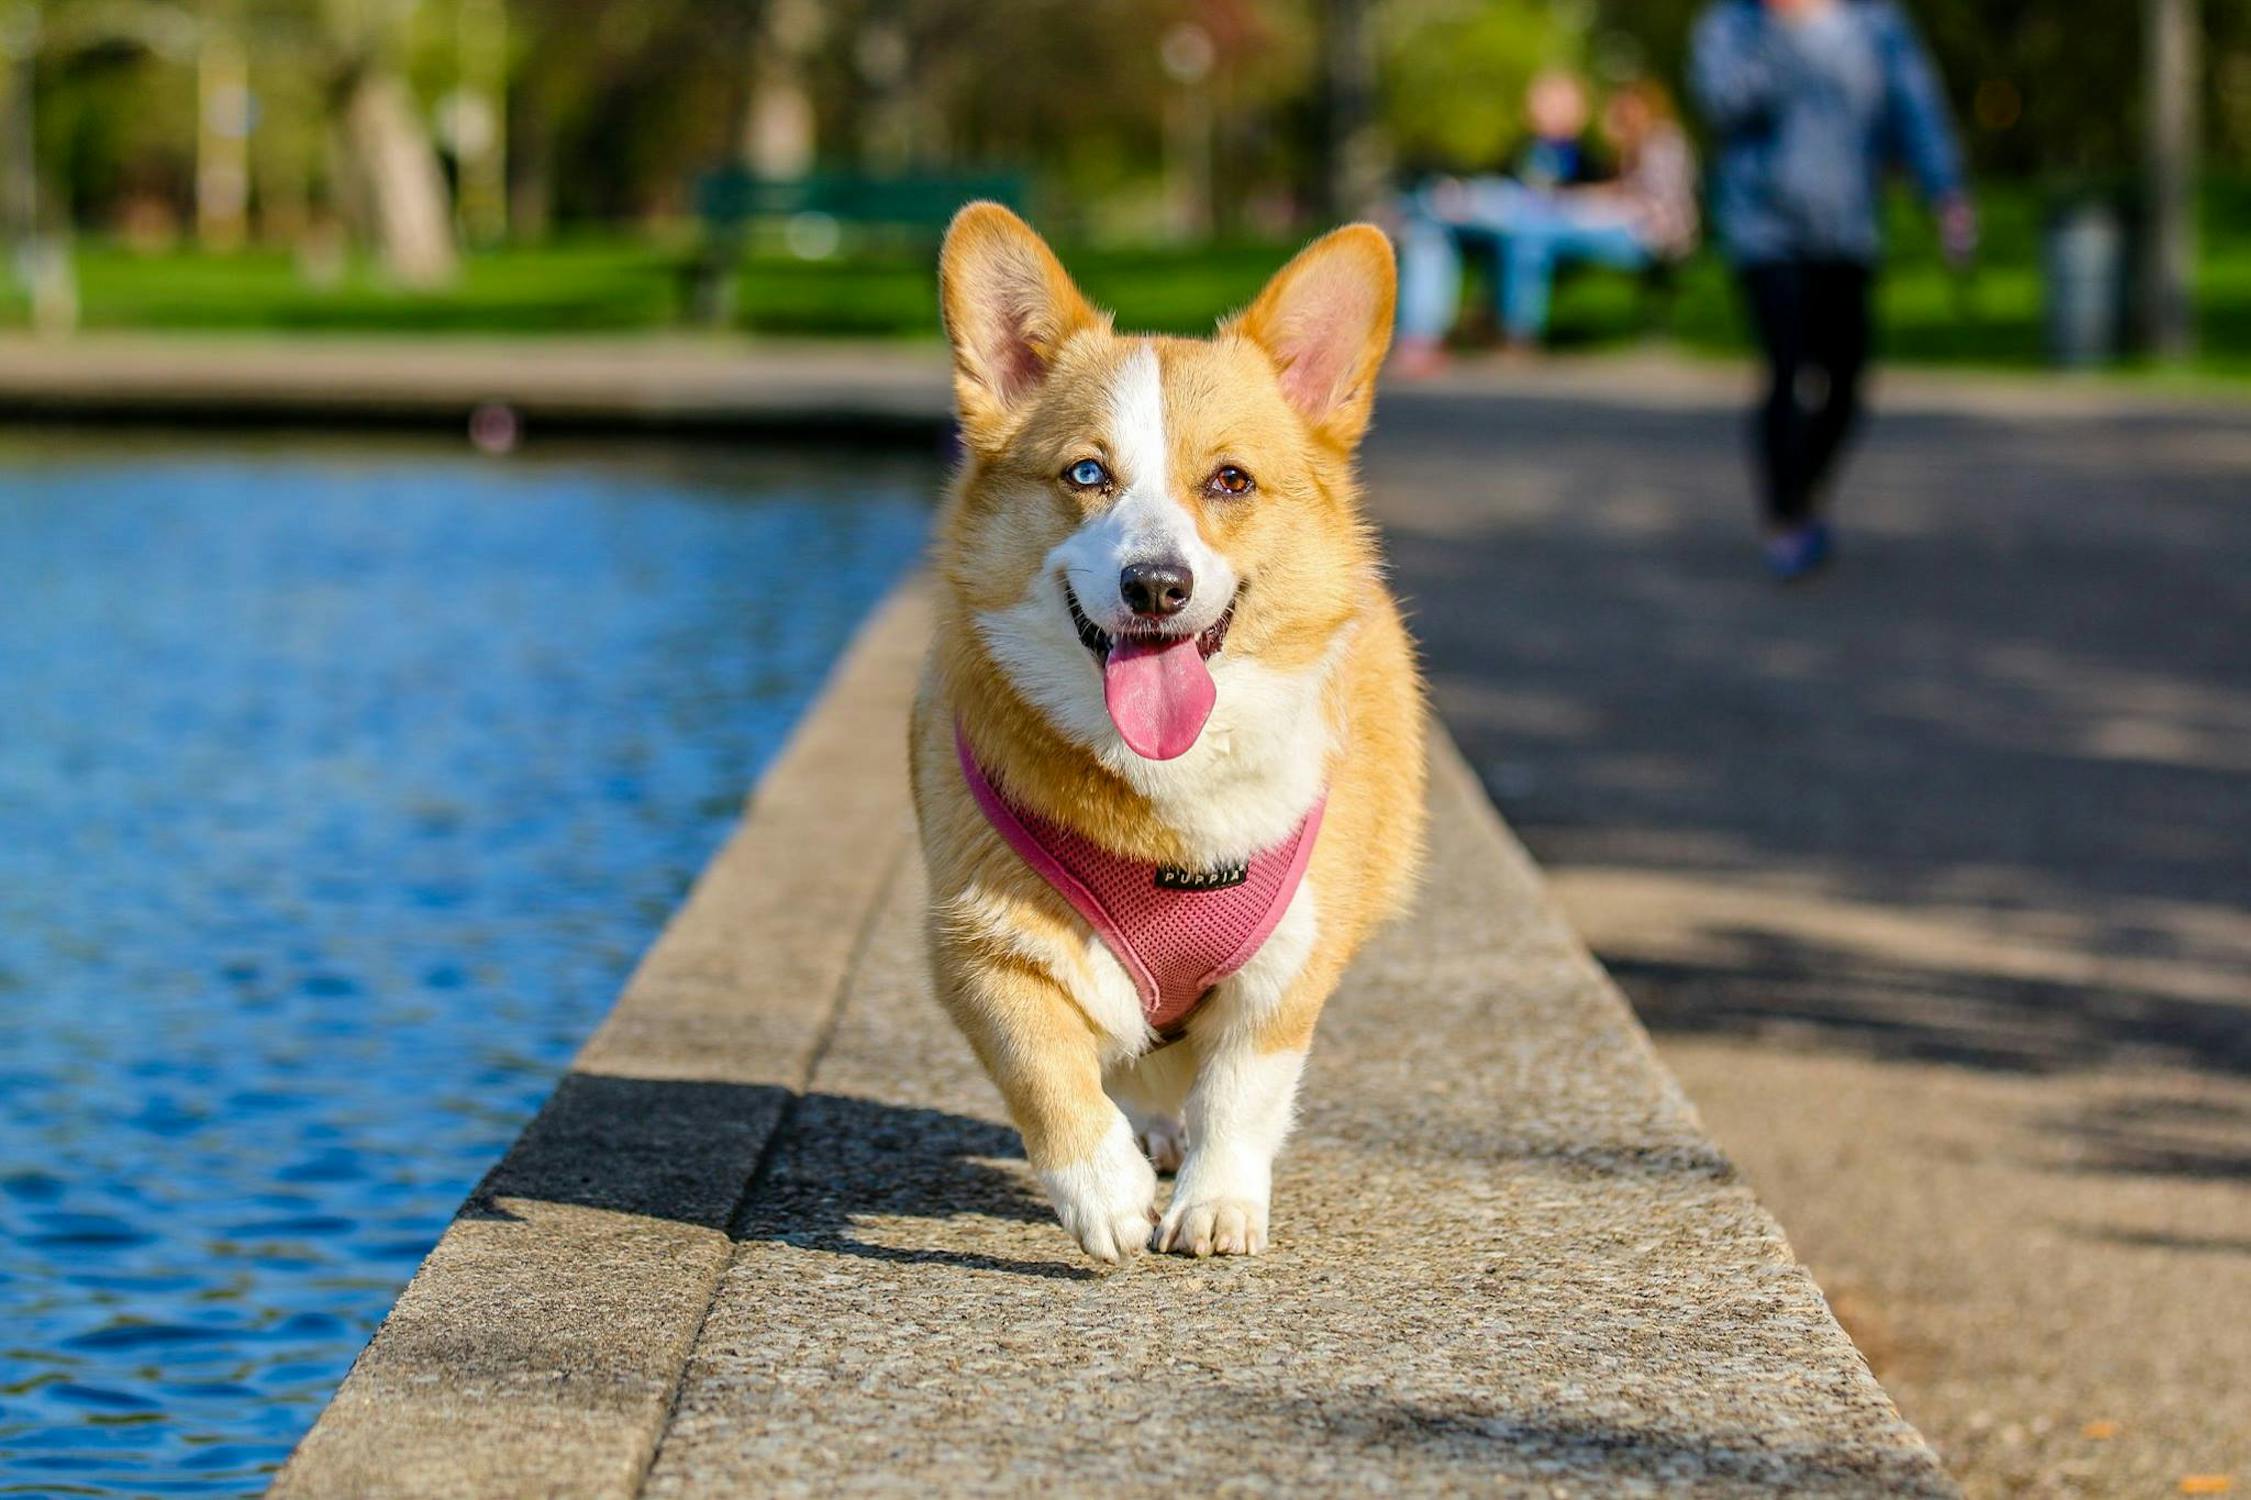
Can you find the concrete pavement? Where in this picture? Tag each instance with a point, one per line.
(1930, 877)
(1508, 1258)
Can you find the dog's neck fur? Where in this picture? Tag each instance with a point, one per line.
(1261, 765)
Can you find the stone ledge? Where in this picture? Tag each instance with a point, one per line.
(539, 1346)
(898, 390)
(667, 384)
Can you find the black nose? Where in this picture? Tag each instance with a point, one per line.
(1156, 589)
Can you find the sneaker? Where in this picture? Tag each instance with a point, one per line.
(1817, 543)
(1800, 550)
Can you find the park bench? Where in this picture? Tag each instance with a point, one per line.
(814, 213)
(1656, 290)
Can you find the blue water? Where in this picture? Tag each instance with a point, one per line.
(339, 789)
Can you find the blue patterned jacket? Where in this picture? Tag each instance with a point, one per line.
(1808, 116)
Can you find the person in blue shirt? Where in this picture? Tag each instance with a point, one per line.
(1811, 101)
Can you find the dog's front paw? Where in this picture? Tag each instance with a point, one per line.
(1108, 1201)
(1203, 1226)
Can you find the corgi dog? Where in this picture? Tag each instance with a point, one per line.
(1168, 746)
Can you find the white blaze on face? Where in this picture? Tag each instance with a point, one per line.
(1147, 523)
(1259, 762)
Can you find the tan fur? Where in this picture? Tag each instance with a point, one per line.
(1034, 365)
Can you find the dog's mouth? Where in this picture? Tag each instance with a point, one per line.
(1154, 682)
(1100, 642)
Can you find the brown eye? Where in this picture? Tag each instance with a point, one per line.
(1231, 481)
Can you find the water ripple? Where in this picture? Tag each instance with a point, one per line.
(339, 788)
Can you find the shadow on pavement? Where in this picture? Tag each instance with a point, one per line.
(2017, 716)
(1535, 1444)
(846, 1161)
(764, 1165)
(2200, 1139)
(1772, 984)
(2196, 1244)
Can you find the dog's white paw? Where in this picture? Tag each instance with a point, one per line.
(1164, 1142)
(1108, 1201)
(1214, 1226)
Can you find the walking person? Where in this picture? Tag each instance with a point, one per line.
(1811, 100)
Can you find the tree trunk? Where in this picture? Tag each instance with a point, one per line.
(531, 183)
(2169, 256)
(19, 157)
(400, 179)
(481, 131)
(1353, 165)
(222, 140)
(778, 130)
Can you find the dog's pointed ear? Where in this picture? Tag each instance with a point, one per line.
(1325, 321)
(1009, 307)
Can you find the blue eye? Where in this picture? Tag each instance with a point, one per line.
(1087, 474)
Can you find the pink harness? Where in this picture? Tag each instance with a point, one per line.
(1178, 933)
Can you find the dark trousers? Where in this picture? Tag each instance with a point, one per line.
(1812, 319)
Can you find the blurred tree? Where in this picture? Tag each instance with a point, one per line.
(394, 183)
(1077, 88)
(222, 130)
(1089, 96)
(2173, 52)
(614, 105)
(778, 138)
(1134, 118)
(1454, 73)
(19, 137)
(474, 117)
(109, 98)
(108, 61)
(2043, 87)
(1356, 156)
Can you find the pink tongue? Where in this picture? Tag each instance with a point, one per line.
(1159, 694)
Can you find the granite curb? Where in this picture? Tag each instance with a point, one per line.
(538, 1348)
(780, 388)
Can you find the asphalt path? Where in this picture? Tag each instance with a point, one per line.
(1931, 875)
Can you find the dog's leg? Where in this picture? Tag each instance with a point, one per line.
(1249, 1050)
(1047, 1061)
(1163, 1139)
(1152, 1089)
(1105, 1194)
(1239, 1112)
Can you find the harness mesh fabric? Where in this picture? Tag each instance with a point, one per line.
(1176, 944)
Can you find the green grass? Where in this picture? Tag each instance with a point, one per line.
(621, 285)
(615, 285)
(597, 286)
(1154, 290)
(1991, 318)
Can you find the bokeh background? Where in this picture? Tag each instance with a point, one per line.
(559, 165)
(344, 774)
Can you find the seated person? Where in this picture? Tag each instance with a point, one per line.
(1645, 215)
(1556, 107)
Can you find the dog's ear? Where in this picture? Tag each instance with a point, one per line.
(1009, 307)
(1325, 321)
